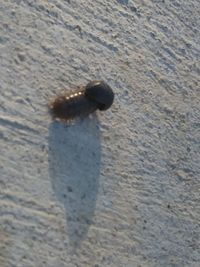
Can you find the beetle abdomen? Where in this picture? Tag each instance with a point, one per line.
(69, 106)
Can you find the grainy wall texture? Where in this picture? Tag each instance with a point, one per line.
(122, 187)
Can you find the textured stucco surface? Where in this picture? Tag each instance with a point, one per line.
(118, 189)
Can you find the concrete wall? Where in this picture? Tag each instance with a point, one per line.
(120, 188)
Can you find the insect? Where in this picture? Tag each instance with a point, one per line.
(83, 101)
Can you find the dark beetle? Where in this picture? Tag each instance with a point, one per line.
(85, 100)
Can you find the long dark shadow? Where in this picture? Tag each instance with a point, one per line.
(74, 168)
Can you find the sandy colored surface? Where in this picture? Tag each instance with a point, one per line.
(118, 189)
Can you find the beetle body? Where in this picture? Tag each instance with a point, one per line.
(85, 100)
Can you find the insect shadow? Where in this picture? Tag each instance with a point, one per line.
(123, 2)
(74, 168)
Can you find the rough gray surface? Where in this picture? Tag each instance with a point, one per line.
(120, 188)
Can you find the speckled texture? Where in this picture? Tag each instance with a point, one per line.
(118, 189)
